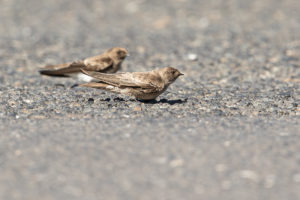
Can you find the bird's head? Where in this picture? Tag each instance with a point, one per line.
(118, 53)
(169, 74)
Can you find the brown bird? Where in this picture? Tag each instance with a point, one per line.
(141, 85)
(108, 62)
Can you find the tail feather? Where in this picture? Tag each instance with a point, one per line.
(62, 69)
(102, 86)
(96, 85)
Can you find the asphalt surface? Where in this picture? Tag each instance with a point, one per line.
(228, 129)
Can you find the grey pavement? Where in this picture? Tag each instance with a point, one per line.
(228, 129)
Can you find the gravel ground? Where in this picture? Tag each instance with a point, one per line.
(228, 129)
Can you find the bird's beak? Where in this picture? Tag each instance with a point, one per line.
(180, 74)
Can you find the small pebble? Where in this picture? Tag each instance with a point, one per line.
(192, 57)
(221, 167)
(296, 178)
(137, 108)
(270, 181)
(249, 174)
(176, 163)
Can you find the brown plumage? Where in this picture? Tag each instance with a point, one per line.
(108, 62)
(141, 85)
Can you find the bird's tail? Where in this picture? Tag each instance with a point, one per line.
(102, 86)
(62, 69)
(95, 85)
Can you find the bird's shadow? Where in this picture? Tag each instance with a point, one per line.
(170, 102)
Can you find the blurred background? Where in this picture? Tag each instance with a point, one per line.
(247, 34)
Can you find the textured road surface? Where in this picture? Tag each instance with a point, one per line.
(228, 129)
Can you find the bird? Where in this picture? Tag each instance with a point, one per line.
(141, 85)
(108, 62)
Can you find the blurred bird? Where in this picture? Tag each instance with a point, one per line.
(141, 85)
(108, 62)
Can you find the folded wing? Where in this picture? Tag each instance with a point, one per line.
(98, 63)
(135, 80)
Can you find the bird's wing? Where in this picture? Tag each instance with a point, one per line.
(98, 63)
(62, 69)
(143, 80)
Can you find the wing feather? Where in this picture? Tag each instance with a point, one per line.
(135, 79)
(98, 63)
